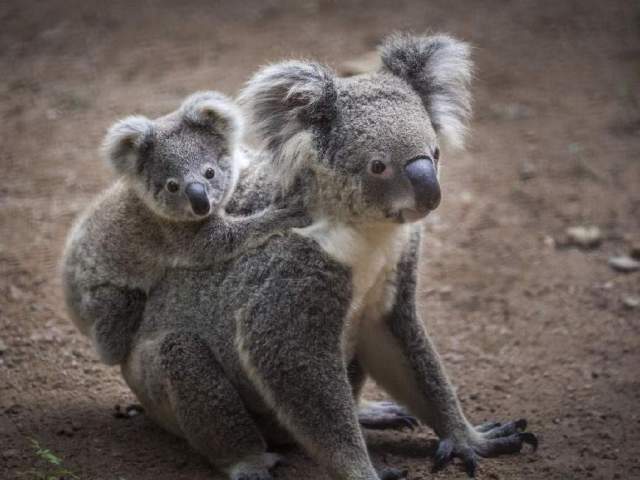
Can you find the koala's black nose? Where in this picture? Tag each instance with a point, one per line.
(197, 195)
(422, 174)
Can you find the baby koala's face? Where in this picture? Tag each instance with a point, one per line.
(181, 165)
(187, 173)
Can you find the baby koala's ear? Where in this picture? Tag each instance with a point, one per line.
(214, 111)
(125, 143)
(439, 69)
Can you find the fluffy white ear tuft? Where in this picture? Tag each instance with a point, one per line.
(124, 142)
(283, 102)
(215, 111)
(439, 68)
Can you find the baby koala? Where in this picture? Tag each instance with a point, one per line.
(167, 209)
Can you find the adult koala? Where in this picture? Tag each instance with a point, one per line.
(285, 335)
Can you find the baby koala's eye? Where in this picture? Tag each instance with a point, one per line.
(436, 154)
(378, 167)
(209, 173)
(173, 186)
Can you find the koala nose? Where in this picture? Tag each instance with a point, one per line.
(197, 195)
(422, 174)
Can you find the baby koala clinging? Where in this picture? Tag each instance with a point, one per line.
(167, 209)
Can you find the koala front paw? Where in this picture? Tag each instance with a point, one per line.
(487, 440)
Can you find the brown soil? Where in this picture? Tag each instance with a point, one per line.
(526, 328)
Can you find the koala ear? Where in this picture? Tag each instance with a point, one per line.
(125, 141)
(283, 102)
(214, 111)
(438, 68)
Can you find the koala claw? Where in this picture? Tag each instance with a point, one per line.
(447, 450)
(492, 439)
(393, 474)
(386, 415)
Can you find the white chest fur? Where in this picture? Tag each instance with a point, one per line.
(372, 253)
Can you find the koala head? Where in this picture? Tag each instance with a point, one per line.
(371, 142)
(182, 165)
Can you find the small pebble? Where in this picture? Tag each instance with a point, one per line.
(624, 264)
(631, 302)
(584, 237)
(128, 412)
(527, 171)
(133, 410)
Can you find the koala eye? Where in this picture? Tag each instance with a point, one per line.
(209, 173)
(377, 167)
(173, 186)
(436, 154)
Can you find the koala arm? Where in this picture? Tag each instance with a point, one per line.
(400, 356)
(227, 236)
(237, 233)
(433, 399)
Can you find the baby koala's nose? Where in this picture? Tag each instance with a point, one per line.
(197, 195)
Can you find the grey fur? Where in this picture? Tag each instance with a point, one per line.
(284, 100)
(294, 325)
(439, 68)
(123, 243)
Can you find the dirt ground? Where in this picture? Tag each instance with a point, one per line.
(526, 326)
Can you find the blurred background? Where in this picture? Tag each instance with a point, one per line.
(531, 284)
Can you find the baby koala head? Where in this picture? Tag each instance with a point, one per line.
(371, 142)
(183, 165)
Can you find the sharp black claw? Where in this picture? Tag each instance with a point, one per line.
(408, 423)
(506, 429)
(521, 424)
(385, 415)
(530, 438)
(470, 463)
(485, 427)
(443, 455)
(411, 421)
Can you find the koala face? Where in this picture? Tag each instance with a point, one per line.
(181, 165)
(371, 141)
(384, 139)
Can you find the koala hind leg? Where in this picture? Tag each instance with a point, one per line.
(179, 381)
(116, 313)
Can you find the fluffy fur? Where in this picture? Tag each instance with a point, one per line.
(291, 329)
(215, 111)
(123, 243)
(439, 68)
(124, 140)
(282, 101)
